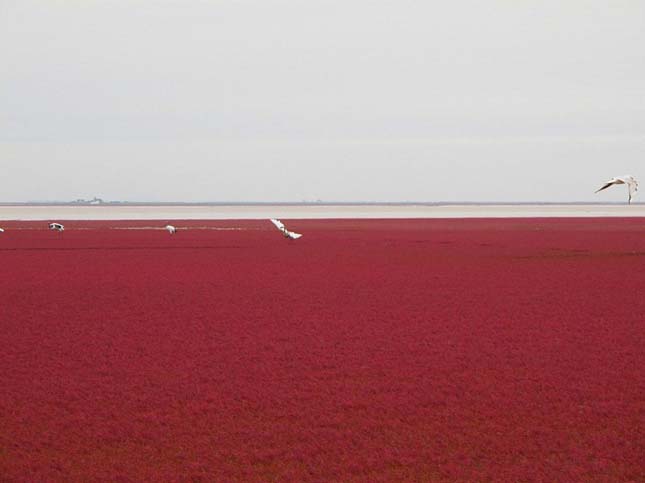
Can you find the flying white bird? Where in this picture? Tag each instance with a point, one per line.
(288, 234)
(56, 226)
(1, 230)
(630, 181)
(171, 229)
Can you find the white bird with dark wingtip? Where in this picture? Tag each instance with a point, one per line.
(1, 230)
(287, 234)
(56, 226)
(629, 180)
(171, 229)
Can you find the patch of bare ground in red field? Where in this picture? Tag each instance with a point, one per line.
(368, 350)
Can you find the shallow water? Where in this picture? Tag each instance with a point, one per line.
(241, 212)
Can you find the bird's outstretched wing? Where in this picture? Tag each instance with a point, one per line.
(607, 185)
(278, 224)
(293, 235)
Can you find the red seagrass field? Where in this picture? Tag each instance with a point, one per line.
(368, 350)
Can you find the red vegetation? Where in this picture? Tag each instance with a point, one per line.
(369, 350)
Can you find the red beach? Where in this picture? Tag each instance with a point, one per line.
(368, 350)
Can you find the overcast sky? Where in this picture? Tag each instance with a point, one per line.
(267, 100)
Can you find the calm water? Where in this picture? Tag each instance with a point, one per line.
(319, 211)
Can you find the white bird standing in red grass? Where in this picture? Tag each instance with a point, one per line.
(287, 234)
(56, 227)
(171, 229)
(629, 180)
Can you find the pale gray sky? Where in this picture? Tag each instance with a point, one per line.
(267, 100)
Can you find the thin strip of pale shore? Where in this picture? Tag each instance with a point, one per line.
(250, 212)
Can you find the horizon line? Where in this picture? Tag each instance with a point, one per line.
(308, 203)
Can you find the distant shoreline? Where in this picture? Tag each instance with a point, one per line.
(250, 211)
(312, 203)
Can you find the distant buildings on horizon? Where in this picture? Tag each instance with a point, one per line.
(93, 201)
